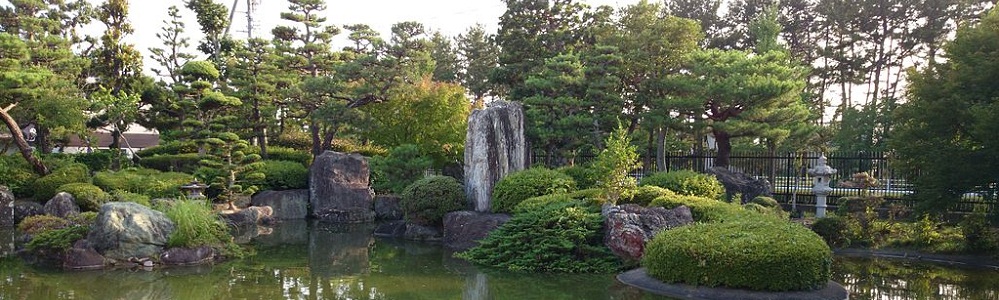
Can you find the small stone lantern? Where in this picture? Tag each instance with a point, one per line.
(820, 184)
(194, 190)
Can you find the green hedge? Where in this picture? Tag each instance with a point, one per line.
(185, 162)
(99, 160)
(283, 175)
(123, 196)
(585, 177)
(427, 200)
(756, 254)
(149, 182)
(518, 186)
(833, 229)
(403, 166)
(645, 194)
(45, 187)
(88, 196)
(703, 209)
(17, 175)
(286, 154)
(170, 148)
(561, 237)
(539, 202)
(688, 183)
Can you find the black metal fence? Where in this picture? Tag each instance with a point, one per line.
(788, 173)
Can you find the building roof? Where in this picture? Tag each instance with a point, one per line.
(102, 139)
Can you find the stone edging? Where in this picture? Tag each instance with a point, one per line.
(640, 279)
(963, 260)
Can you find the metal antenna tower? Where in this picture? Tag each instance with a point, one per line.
(251, 9)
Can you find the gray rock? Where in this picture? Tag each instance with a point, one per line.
(287, 205)
(62, 205)
(494, 147)
(339, 190)
(187, 256)
(387, 208)
(24, 209)
(83, 257)
(394, 229)
(417, 232)
(250, 216)
(6, 207)
(737, 182)
(629, 227)
(464, 229)
(124, 230)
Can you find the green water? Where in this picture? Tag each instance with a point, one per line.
(299, 261)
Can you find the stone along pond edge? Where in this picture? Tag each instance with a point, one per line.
(640, 279)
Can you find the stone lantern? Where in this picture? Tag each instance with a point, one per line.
(194, 190)
(820, 184)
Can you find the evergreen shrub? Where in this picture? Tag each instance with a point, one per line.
(184, 162)
(401, 168)
(560, 237)
(58, 239)
(703, 209)
(40, 223)
(88, 196)
(287, 154)
(17, 175)
(833, 229)
(539, 202)
(123, 196)
(46, 187)
(645, 194)
(756, 254)
(518, 186)
(687, 183)
(99, 160)
(283, 175)
(427, 200)
(584, 177)
(174, 147)
(149, 182)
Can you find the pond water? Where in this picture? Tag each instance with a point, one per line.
(297, 260)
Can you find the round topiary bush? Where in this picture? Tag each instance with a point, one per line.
(645, 194)
(518, 186)
(833, 229)
(427, 200)
(766, 201)
(756, 254)
(283, 175)
(88, 196)
(688, 183)
(585, 177)
(46, 187)
(703, 209)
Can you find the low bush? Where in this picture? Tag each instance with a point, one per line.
(427, 200)
(518, 186)
(185, 162)
(832, 229)
(149, 182)
(645, 194)
(195, 224)
(584, 177)
(401, 168)
(775, 212)
(283, 175)
(86, 218)
(539, 202)
(17, 175)
(766, 201)
(41, 223)
(123, 196)
(703, 209)
(99, 160)
(287, 154)
(687, 183)
(88, 196)
(351, 146)
(46, 187)
(59, 239)
(978, 235)
(561, 237)
(169, 148)
(293, 139)
(759, 254)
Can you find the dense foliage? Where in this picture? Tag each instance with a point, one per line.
(703, 209)
(403, 166)
(564, 237)
(644, 195)
(149, 182)
(755, 254)
(685, 182)
(427, 200)
(518, 186)
(283, 175)
(88, 196)
(195, 224)
(47, 186)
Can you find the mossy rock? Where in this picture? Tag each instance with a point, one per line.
(756, 254)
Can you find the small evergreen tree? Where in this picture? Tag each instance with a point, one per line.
(237, 169)
(613, 165)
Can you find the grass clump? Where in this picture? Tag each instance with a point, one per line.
(195, 224)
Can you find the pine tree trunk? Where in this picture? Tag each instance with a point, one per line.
(22, 145)
(724, 143)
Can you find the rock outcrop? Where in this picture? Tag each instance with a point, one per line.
(737, 182)
(287, 205)
(339, 190)
(494, 147)
(126, 230)
(187, 256)
(24, 209)
(409, 231)
(250, 216)
(82, 257)
(464, 229)
(629, 227)
(387, 208)
(62, 205)
(6, 207)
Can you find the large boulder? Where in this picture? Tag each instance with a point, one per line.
(409, 231)
(126, 230)
(629, 227)
(464, 229)
(62, 205)
(287, 205)
(339, 190)
(494, 147)
(24, 209)
(6, 207)
(250, 216)
(736, 182)
(82, 256)
(387, 208)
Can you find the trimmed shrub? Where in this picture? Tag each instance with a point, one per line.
(123, 196)
(755, 254)
(587, 195)
(287, 154)
(768, 206)
(45, 187)
(561, 237)
(99, 160)
(149, 182)
(687, 183)
(427, 200)
(283, 175)
(186, 162)
(59, 239)
(195, 225)
(585, 177)
(704, 209)
(351, 146)
(86, 218)
(766, 201)
(645, 194)
(88, 196)
(539, 202)
(40, 223)
(17, 175)
(401, 168)
(293, 139)
(832, 229)
(518, 186)
(174, 147)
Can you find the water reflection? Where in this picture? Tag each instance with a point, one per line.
(874, 278)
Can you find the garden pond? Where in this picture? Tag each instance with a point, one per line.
(298, 260)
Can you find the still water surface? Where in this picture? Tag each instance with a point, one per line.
(302, 261)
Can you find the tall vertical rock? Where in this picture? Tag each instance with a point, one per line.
(339, 190)
(494, 147)
(6, 207)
